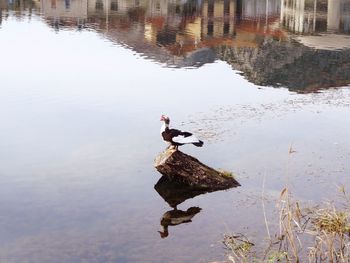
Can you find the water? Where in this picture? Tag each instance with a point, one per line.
(82, 90)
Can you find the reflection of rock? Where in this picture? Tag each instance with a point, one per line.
(176, 217)
(174, 193)
(185, 168)
(199, 58)
(185, 177)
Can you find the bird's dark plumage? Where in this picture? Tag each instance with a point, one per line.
(176, 137)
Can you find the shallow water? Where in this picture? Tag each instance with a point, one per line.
(82, 90)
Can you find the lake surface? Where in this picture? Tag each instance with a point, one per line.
(83, 83)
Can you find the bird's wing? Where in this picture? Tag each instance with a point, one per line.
(185, 137)
(174, 132)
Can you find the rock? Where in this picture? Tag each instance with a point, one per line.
(184, 168)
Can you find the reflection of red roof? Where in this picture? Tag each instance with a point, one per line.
(252, 26)
(214, 42)
(190, 46)
(243, 28)
(158, 21)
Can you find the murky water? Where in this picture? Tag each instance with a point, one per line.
(83, 84)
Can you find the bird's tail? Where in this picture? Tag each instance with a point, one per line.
(198, 144)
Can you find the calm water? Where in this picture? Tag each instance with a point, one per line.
(84, 82)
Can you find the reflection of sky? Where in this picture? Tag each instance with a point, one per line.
(60, 74)
(80, 129)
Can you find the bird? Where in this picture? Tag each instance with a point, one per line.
(175, 137)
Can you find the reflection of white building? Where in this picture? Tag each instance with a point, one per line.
(309, 16)
(330, 19)
(151, 7)
(158, 8)
(112, 6)
(218, 18)
(78, 11)
(260, 8)
(18, 6)
(64, 9)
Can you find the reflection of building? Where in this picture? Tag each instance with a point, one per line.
(110, 7)
(67, 12)
(216, 22)
(324, 17)
(255, 9)
(245, 33)
(218, 18)
(3, 5)
(180, 26)
(19, 6)
(305, 62)
(172, 31)
(310, 16)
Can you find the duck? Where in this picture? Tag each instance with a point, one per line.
(175, 137)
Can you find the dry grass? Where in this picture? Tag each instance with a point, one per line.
(239, 246)
(226, 173)
(318, 234)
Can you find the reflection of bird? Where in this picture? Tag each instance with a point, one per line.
(176, 217)
(175, 137)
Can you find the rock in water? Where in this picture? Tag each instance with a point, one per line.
(184, 168)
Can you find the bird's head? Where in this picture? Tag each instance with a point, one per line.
(165, 119)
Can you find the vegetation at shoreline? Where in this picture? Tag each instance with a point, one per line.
(226, 173)
(306, 234)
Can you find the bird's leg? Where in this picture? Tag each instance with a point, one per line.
(171, 147)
